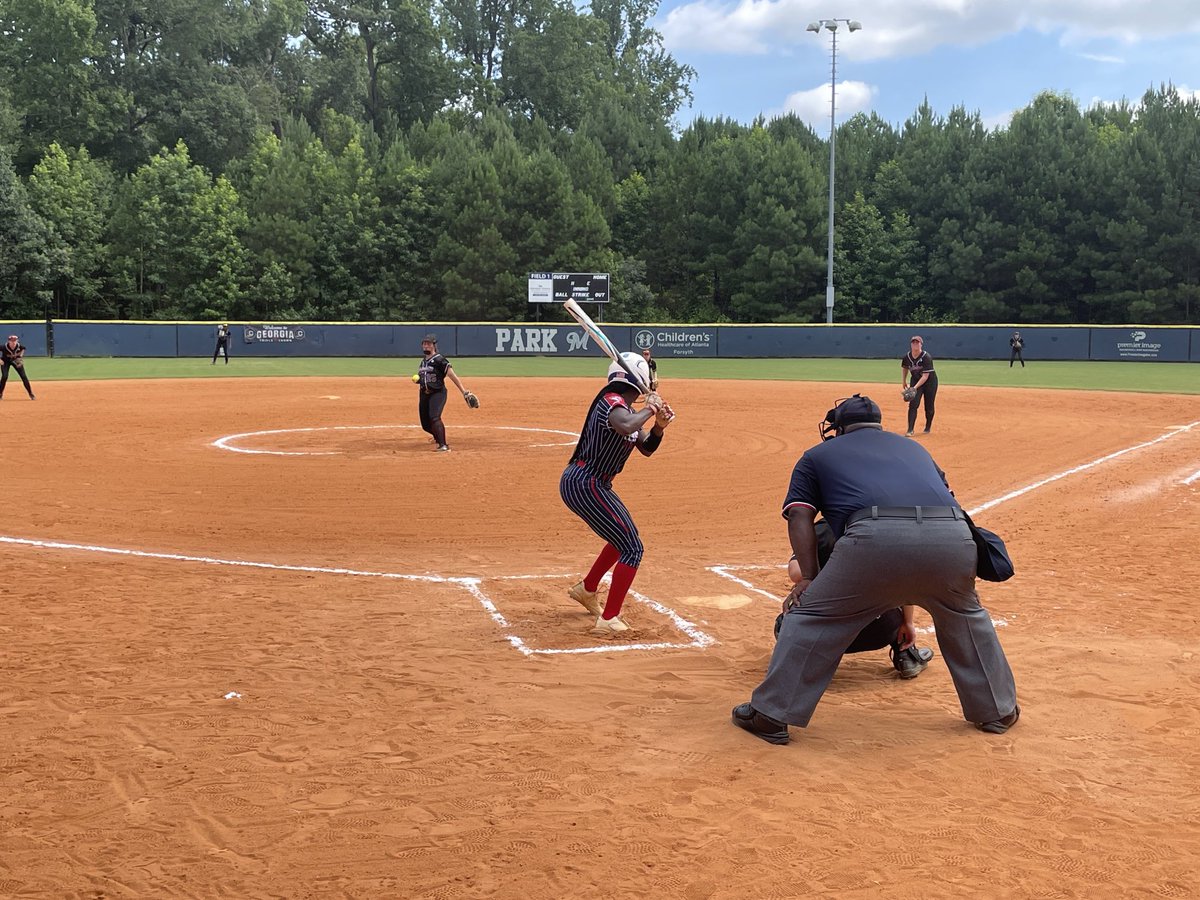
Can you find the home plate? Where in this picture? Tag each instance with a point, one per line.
(330, 397)
(718, 601)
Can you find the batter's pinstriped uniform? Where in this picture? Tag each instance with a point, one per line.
(586, 483)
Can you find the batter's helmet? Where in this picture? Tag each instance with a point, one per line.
(856, 410)
(637, 364)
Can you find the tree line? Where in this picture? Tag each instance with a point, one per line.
(366, 160)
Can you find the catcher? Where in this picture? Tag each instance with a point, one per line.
(611, 431)
(885, 631)
(431, 377)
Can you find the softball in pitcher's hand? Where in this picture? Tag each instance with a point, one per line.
(908, 393)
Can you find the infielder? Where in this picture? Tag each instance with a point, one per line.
(12, 356)
(918, 381)
(610, 433)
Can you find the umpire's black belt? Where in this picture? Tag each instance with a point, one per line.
(916, 513)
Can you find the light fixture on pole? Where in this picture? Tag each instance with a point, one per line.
(831, 25)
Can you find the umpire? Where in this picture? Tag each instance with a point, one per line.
(902, 539)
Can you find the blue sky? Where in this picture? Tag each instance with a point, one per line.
(990, 56)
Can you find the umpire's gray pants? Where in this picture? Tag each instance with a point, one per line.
(876, 565)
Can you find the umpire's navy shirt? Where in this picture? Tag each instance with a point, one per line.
(865, 467)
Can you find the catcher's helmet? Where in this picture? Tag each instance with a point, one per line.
(856, 410)
(637, 364)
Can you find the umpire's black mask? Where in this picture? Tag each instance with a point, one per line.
(856, 410)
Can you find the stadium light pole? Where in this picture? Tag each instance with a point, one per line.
(831, 25)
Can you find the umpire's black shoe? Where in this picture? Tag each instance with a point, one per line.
(1000, 725)
(911, 662)
(763, 726)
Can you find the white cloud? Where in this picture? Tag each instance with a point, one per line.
(997, 121)
(912, 28)
(1185, 94)
(813, 105)
(1100, 58)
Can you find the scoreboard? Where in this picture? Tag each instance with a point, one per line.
(558, 287)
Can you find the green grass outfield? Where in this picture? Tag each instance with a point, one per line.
(1170, 378)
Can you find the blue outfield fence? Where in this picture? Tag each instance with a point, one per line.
(1171, 343)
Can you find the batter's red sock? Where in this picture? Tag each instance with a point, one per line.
(603, 563)
(622, 578)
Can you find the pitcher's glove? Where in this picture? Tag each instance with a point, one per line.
(908, 393)
(472, 400)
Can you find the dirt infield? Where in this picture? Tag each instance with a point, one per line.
(398, 700)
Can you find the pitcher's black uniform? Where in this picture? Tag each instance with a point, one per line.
(431, 371)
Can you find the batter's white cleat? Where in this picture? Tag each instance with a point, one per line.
(585, 598)
(609, 627)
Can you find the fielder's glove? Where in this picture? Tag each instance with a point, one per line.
(908, 393)
(472, 400)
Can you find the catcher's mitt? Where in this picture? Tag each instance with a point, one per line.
(908, 393)
(472, 400)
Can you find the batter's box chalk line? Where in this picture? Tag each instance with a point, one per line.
(697, 639)
(727, 571)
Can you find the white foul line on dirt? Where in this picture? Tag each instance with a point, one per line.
(698, 639)
(726, 571)
(1012, 495)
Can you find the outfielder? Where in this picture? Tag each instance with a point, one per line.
(222, 343)
(610, 433)
(431, 376)
(1017, 343)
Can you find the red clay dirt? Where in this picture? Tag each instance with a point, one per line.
(327, 725)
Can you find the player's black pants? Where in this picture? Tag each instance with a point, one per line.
(221, 346)
(21, 372)
(1015, 355)
(431, 414)
(926, 392)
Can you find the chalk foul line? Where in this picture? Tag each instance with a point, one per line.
(697, 638)
(727, 571)
(1012, 495)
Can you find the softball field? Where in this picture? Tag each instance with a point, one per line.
(258, 640)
